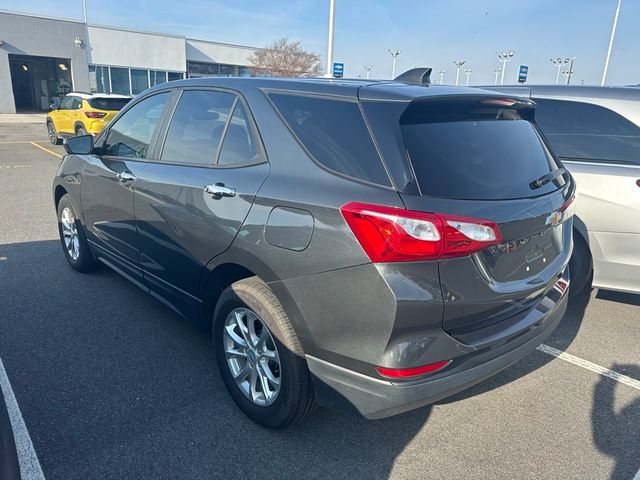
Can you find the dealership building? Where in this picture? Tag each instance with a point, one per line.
(43, 58)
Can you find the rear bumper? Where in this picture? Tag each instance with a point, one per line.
(374, 398)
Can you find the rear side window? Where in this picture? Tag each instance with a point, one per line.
(588, 132)
(197, 127)
(239, 144)
(334, 133)
(474, 152)
(108, 103)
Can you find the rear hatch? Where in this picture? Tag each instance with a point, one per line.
(482, 157)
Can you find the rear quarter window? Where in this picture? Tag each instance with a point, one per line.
(587, 132)
(334, 133)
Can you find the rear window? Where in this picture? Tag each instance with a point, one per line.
(108, 103)
(475, 152)
(334, 133)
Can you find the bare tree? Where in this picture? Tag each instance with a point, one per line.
(284, 58)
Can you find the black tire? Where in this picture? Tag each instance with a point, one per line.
(52, 134)
(580, 266)
(296, 398)
(80, 130)
(84, 261)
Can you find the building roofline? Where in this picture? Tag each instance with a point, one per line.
(46, 17)
(212, 42)
(133, 30)
(126, 29)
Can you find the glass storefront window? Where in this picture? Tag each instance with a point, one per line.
(244, 72)
(120, 80)
(157, 77)
(174, 76)
(99, 79)
(226, 70)
(139, 81)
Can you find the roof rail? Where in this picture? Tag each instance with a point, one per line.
(419, 76)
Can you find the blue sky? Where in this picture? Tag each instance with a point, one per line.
(429, 32)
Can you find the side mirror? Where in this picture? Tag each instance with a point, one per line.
(81, 145)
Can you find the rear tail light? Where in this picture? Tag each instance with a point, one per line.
(95, 114)
(406, 373)
(390, 234)
(638, 182)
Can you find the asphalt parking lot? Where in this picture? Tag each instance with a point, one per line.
(111, 384)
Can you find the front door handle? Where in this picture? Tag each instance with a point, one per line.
(219, 190)
(126, 176)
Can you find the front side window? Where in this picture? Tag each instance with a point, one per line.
(583, 131)
(131, 134)
(334, 133)
(197, 127)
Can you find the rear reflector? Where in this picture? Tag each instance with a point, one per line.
(390, 234)
(95, 114)
(412, 372)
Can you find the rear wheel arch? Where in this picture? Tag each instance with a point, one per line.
(216, 281)
(78, 125)
(581, 263)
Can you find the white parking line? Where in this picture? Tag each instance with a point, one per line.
(637, 477)
(618, 377)
(29, 465)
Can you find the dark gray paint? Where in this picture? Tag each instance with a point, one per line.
(345, 310)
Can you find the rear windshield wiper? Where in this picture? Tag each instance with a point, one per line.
(549, 177)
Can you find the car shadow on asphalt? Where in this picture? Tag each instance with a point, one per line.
(616, 432)
(113, 384)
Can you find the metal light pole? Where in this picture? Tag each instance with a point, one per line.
(332, 18)
(613, 34)
(441, 73)
(504, 58)
(395, 57)
(570, 72)
(368, 69)
(567, 72)
(467, 72)
(559, 63)
(84, 10)
(458, 64)
(497, 72)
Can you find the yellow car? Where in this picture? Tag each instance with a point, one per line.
(82, 113)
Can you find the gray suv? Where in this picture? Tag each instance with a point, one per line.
(369, 246)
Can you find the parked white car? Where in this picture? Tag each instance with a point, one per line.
(596, 133)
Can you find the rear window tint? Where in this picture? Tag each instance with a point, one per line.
(108, 103)
(482, 154)
(588, 132)
(334, 133)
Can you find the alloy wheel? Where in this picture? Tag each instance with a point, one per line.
(70, 233)
(52, 133)
(252, 356)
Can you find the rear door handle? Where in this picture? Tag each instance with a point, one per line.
(126, 176)
(218, 190)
